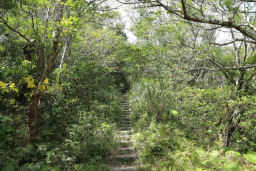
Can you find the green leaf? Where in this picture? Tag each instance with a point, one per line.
(235, 153)
(8, 167)
(251, 156)
(174, 113)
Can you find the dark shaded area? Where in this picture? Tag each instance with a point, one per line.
(121, 81)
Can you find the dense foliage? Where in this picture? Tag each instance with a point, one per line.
(79, 95)
(65, 65)
(198, 115)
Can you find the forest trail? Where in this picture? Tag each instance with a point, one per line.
(126, 158)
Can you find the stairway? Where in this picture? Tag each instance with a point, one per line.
(126, 158)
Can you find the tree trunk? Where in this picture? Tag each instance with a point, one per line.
(34, 117)
(33, 113)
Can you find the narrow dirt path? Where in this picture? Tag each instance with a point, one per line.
(126, 158)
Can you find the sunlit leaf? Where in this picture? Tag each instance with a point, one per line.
(251, 156)
(12, 101)
(46, 81)
(2, 84)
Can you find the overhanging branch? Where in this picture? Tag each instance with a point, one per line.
(223, 68)
(12, 29)
(207, 20)
(233, 41)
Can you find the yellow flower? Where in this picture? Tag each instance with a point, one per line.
(30, 82)
(2, 84)
(42, 88)
(46, 81)
(12, 85)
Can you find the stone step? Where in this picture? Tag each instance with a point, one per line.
(126, 158)
(126, 144)
(126, 117)
(126, 123)
(126, 150)
(125, 128)
(127, 141)
(127, 120)
(126, 137)
(124, 168)
(131, 167)
(125, 132)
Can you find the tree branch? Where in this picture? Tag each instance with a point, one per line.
(248, 0)
(12, 29)
(233, 41)
(223, 68)
(229, 24)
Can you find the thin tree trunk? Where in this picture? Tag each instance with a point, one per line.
(63, 54)
(33, 113)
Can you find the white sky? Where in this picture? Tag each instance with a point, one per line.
(223, 34)
(125, 17)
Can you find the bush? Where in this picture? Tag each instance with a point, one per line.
(186, 128)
